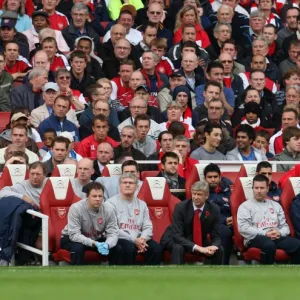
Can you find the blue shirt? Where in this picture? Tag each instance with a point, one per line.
(250, 157)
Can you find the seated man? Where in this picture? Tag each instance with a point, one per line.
(208, 151)
(143, 142)
(192, 221)
(166, 143)
(169, 169)
(88, 146)
(219, 194)
(59, 149)
(92, 225)
(265, 168)
(135, 226)
(19, 137)
(13, 156)
(291, 152)
(58, 120)
(245, 136)
(28, 190)
(105, 153)
(149, 33)
(270, 235)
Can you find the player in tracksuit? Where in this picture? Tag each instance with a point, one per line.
(135, 226)
(262, 224)
(219, 193)
(92, 224)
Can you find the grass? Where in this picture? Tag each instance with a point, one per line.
(155, 283)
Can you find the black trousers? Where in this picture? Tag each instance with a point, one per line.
(77, 250)
(125, 252)
(268, 248)
(226, 234)
(177, 254)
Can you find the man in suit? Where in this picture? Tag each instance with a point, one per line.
(192, 221)
(39, 114)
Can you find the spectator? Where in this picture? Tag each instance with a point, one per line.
(291, 152)
(29, 95)
(77, 236)
(252, 116)
(290, 62)
(105, 153)
(245, 136)
(149, 33)
(180, 238)
(48, 137)
(89, 145)
(208, 151)
(265, 168)
(292, 37)
(58, 120)
(222, 32)
(59, 149)
(266, 7)
(166, 142)
(135, 239)
(261, 142)
(219, 194)
(19, 137)
(116, 7)
(14, 157)
(257, 233)
(6, 80)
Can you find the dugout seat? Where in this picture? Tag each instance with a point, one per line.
(146, 174)
(112, 170)
(294, 172)
(4, 120)
(64, 170)
(55, 201)
(242, 191)
(13, 174)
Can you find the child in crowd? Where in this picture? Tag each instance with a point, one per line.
(49, 136)
(262, 142)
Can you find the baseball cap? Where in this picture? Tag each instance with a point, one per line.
(177, 73)
(18, 116)
(10, 23)
(51, 86)
(130, 8)
(144, 87)
(67, 135)
(8, 14)
(39, 13)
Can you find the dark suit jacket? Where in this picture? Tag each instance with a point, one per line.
(181, 229)
(97, 170)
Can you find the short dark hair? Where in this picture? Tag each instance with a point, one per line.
(61, 139)
(190, 44)
(211, 168)
(49, 39)
(11, 42)
(188, 26)
(246, 129)
(38, 164)
(229, 41)
(79, 54)
(65, 98)
(86, 39)
(91, 90)
(271, 26)
(162, 133)
(264, 134)
(211, 126)
(128, 62)
(261, 178)
(263, 164)
(291, 109)
(169, 154)
(295, 43)
(93, 186)
(101, 118)
(212, 83)
(256, 71)
(214, 65)
(176, 128)
(289, 73)
(142, 117)
(130, 163)
(50, 130)
(19, 126)
(290, 132)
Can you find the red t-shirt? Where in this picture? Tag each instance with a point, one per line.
(20, 66)
(88, 146)
(59, 61)
(164, 66)
(58, 21)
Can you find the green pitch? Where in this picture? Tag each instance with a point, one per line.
(143, 283)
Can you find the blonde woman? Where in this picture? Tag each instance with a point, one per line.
(24, 21)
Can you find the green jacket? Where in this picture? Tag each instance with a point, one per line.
(114, 7)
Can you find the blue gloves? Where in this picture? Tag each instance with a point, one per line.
(102, 248)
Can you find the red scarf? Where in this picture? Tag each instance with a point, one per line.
(227, 82)
(187, 114)
(272, 49)
(159, 83)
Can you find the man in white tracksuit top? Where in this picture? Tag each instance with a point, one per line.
(262, 224)
(135, 226)
(92, 224)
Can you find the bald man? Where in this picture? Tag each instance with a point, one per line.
(85, 170)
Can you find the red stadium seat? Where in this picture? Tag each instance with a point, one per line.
(13, 174)
(243, 190)
(40, 145)
(4, 120)
(64, 170)
(112, 170)
(145, 174)
(55, 201)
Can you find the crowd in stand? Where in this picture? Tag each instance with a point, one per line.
(175, 81)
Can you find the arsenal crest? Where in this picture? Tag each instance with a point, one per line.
(136, 212)
(60, 25)
(61, 211)
(276, 198)
(158, 211)
(271, 210)
(100, 221)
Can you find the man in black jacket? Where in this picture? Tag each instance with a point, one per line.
(192, 221)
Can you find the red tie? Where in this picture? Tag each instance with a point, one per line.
(197, 230)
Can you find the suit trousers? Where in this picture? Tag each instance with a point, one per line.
(268, 248)
(125, 252)
(226, 234)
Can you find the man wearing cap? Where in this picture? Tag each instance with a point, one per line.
(40, 20)
(126, 18)
(58, 21)
(39, 114)
(143, 91)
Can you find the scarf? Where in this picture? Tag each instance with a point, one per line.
(187, 115)
(159, 83)
(272, 49)
(257, 124)
(172, 182)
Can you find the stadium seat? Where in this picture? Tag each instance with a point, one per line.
(242, 191)
(4, 120)
(40, 145)
(294, 172)
(112, 170)
(64, 170)
(146, 174)
(76, 146)
(55, 201)
(13, 174)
